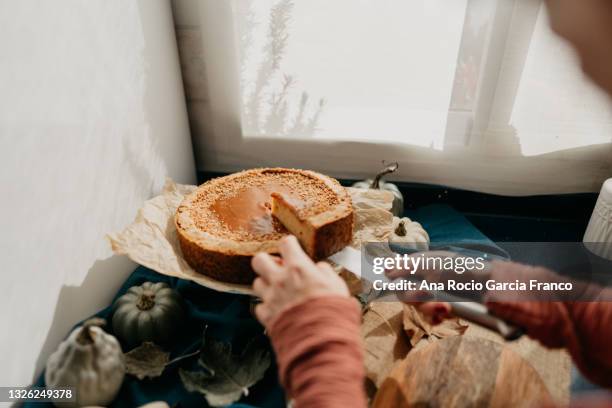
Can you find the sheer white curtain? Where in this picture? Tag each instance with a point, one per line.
(468, 93)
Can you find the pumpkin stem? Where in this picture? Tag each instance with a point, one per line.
(401, 229)
(390, 168)
(146, 301)
(85, 336)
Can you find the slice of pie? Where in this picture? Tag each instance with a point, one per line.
(225, 221)
(320, 234)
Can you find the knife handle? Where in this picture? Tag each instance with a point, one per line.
(478, 313)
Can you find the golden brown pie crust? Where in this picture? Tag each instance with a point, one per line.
(227, 220)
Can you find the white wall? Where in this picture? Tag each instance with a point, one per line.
(92, 119)
(187, 21)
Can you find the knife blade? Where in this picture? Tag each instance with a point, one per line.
(350, 259)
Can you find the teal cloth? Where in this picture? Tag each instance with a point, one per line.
(228, 318)
(446, 225)
(450, 230)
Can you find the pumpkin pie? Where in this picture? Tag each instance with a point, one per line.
(227, 220)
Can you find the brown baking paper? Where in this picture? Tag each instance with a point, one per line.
(151, 239)
(384, 340)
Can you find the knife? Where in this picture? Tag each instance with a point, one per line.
(350, 259)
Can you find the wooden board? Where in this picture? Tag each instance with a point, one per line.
(461, 371)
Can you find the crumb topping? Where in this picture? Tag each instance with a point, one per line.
(238, 206)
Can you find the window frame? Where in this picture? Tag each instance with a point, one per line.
(485, 168)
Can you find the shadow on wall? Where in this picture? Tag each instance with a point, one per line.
(163, 152)
(153, 140)
(75, 302)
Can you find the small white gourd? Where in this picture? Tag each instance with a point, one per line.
(409, 233)
(379, 184)
(91, 362)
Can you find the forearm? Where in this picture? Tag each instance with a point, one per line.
(583, 328)
(319, 353)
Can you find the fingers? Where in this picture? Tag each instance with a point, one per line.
(261, 288)
(262, 313)
(396, 273)
(434, 312)
(528, 315)
(414, 297)
(325, 267)
(283, 282)
(266, 266)
(292, 252)
(437, 311)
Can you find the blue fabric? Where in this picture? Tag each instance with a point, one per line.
(444, 224)
(450, 230)
(228, 318)
(581, 387)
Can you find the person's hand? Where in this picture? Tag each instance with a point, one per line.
(509, 304)
(290, 279)
(435, 311)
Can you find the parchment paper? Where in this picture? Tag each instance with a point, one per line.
(151, 239)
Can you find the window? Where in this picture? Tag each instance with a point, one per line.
(382, 73)
(467, 93)
(556, 107)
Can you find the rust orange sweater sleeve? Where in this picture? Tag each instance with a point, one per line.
(583, 328)
(319, 353)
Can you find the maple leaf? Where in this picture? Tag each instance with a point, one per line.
(226, 376)
(146, 360)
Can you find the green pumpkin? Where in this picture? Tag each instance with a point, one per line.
(377, 183)
(150, 312)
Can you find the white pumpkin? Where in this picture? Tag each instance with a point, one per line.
(90, 361)
(409, 233)
(379, 184)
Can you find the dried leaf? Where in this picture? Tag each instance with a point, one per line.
(227, 377)
(384, 339)
(354, 284)
(146, 360)
(417, 327)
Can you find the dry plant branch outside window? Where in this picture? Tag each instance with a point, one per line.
(270, 107)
